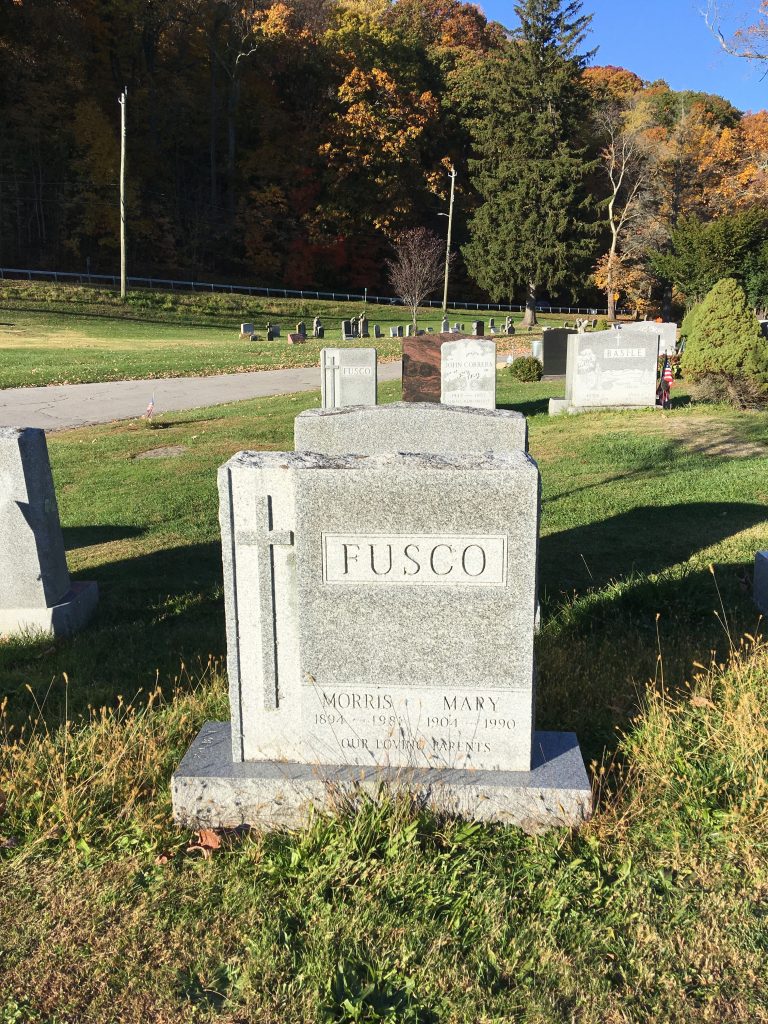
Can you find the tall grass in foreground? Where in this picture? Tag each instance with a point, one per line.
(656, 910)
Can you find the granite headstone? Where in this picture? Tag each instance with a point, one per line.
(36, 593)
(380, 621)
(348, 377)
(468, 373)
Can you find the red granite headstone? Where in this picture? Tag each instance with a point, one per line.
(421, 367)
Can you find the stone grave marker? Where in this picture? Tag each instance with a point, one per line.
(555, 350)
(666, 332)
(393, 332)
(346, 330)
(247, 330)
(380, 621)
(296, 339)
(468, 373)
(760, 588)
(363, 326)
(275, 330)
(410, 427)
(610, 369)
(445, 326)
(318, 330)
(348, 377)
(36, 593)
(376, 331)
(421, 368)
(400, 331)
(301, 328)
(478, 328)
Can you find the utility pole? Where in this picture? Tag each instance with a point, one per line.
(448, 244)
(122, 101)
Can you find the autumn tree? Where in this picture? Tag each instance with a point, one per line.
(535, 224)
(417, 269)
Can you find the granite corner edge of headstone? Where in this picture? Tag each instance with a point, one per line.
(36, 592)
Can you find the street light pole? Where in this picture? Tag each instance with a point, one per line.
(122, 101)
(448, 243)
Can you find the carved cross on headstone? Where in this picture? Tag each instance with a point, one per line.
(331, 373)
(264, 539)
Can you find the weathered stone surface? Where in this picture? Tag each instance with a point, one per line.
(409, 427)
(383, 545)
(296, 339)
(34, 578)
(211, 791)
(468, 373)
(380, 617)
(760, 589)
(555, 350)
(67, 616)
(347, 377)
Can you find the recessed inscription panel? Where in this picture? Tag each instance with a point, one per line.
(415, 559)
(418, 727)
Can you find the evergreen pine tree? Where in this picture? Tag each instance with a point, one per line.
(726, 354)
(535, 227)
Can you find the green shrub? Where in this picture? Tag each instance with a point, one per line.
(726, 355)
(689, 321)
(526, 369)
(602, 325)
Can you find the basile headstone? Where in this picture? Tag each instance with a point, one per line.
(468, 373)
(609, 369)
(36, 593)
(380, 622)
(410, 427)
(555, 350)
(348, 377)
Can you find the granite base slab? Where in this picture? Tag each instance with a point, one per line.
(210, 791)
(760, 588)
(62, 619)
(560, 406)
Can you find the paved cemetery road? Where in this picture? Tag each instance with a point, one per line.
(76, 405)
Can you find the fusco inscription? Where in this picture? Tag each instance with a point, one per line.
(357, 371)
(415, 560)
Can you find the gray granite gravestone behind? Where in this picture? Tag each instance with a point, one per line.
(667, 333)
(760, 588)
(36, 593)
(610, 370)
(347, 377)
(410, 427)
(468, 373)
(380, 620)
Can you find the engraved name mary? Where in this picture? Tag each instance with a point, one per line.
(415, 560)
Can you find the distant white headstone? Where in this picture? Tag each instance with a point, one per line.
(348, 377)
(468, 373)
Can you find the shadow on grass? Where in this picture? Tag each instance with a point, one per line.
(86, 536)
(645, 539)
(156, 611)
(533, 408)
(596, 651)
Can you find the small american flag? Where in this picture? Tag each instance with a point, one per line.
(150, 408)
(666, 374)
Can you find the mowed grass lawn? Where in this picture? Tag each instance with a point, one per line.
(654, 911)
(53, 334)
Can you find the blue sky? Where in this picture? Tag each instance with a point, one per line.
(666, 39)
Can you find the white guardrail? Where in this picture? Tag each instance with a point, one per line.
(17, 274)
